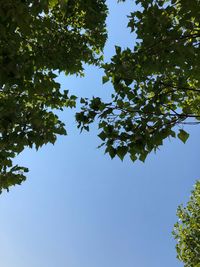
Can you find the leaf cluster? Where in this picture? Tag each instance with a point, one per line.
(156, 84)
(187, 230)
(38, 39)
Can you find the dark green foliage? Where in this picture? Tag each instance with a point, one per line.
(37, 39)
(187, 230)
(156, 85)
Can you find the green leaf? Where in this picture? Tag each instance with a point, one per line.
(52, 3)
(122, 151)
(133, 157)
(102, 135)
(117, 49)
(183, 135)
(82, 100)
(143, 156)
(112, 151)
(105, 79)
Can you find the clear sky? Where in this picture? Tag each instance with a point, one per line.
(79, 208)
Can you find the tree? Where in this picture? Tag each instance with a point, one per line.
(156, 85)
(187, 230)
(39, 39)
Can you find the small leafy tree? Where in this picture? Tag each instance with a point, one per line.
(187, 230)
(156, 85)
(38, 39)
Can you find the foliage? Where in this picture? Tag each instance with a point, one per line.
(38, 39)
(156, 85)
(187, 230)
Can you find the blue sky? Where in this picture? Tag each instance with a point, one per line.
(79, 208)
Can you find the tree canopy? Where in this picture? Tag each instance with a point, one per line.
(38, 39)
(156, 84)
(187, 230)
